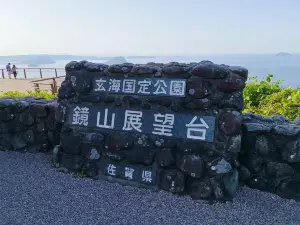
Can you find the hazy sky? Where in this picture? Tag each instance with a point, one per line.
(149, 27)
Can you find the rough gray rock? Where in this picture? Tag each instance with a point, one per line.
(28, 124)
(297, 121)
(270, 155)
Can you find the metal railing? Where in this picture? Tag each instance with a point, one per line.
(52, 72)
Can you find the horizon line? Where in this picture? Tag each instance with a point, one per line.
(148, 55)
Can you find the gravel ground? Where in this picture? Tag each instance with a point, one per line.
(32, 192)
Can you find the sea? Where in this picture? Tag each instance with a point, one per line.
(285, 68)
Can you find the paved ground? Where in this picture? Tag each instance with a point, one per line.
(32, 192)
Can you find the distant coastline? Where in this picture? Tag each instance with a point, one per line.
(141, 57)
(49, 58)
(38, 61)
(282, 67)
(283, 54)
(116, 60)
(32, 59)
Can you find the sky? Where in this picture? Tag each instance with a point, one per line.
(149, 27)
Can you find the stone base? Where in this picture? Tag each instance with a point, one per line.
(200, 175)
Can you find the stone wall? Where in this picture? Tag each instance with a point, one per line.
(181, 161)
(263, 153)
(270, 156)
(28, 124)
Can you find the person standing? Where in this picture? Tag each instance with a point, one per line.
(14, 71)
(8, 69)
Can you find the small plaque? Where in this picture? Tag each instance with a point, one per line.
(141, 86)
(132, 173)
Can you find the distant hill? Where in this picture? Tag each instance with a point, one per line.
(38, 60)
(283, 54)
(116, 60)
(33, 65)
(141, 57)
(105, 58)
(73, 57)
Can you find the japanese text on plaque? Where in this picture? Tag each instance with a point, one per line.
(127, 172)
(143, 121)
(141, 86)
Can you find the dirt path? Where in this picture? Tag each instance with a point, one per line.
(23, 85)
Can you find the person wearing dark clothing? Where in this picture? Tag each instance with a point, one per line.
(8, 69)
(14, 71)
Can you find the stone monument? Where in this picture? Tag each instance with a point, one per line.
(175, 126)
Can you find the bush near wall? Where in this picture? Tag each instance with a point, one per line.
(37, 94)
(267, 98)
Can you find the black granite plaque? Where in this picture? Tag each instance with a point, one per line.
(140, 86)
(195, 127)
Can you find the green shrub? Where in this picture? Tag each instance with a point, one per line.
(267, 98)
(36, 93)
(256, 91)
